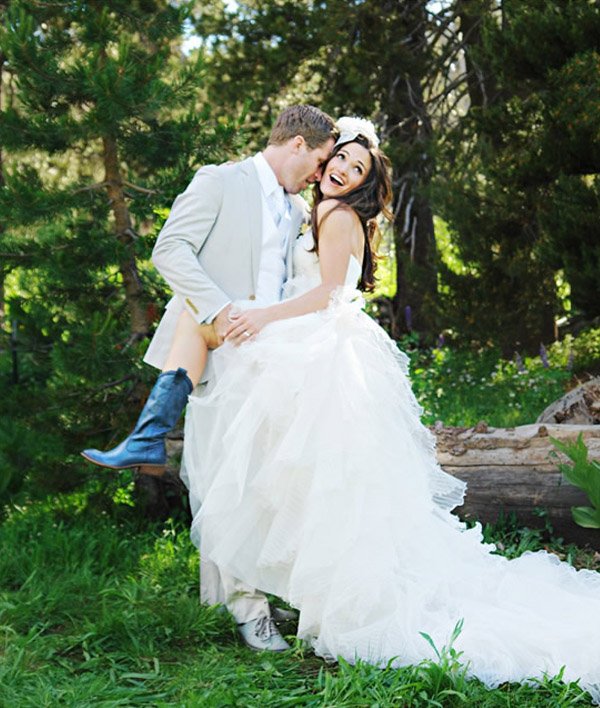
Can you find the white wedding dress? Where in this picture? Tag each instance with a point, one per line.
(320, 485)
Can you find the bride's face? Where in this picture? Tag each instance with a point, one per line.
(346, 170)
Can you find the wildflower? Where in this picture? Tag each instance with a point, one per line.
(441, 341)
(408, 317)
(570, 361)
(519, 362)
(544, 356)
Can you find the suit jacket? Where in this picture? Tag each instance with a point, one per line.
(209, 248)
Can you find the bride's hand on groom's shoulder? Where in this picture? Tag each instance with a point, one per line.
(246, 324)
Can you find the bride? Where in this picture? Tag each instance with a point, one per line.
(318, 483)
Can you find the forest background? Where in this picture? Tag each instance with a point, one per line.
(488, 109)
(490, 112)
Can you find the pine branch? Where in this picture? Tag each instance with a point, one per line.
(90, 188)
(143, 190)
(15, 256)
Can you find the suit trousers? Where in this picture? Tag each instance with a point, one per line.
(219, 587)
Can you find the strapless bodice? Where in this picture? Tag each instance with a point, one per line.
(307, 272)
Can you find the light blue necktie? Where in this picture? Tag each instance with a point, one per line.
(277, 206)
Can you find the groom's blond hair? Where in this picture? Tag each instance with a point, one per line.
(310, 122)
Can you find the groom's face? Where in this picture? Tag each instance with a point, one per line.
(305, 165)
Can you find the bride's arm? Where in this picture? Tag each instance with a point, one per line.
(337, 236)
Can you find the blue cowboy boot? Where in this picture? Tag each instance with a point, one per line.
(145, 446)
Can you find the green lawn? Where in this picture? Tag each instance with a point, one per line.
(100, 608)
(101, 611)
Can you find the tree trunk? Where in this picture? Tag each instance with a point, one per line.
(480, 80)
(410, 135)
(415, 300)
(134, 293)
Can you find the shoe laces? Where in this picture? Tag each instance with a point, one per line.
(265, 628)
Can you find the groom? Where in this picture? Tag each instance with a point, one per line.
(229, 237)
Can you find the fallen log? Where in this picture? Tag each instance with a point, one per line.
(515, 470)
(579, 406)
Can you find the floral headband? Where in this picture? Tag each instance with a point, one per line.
(350, 127)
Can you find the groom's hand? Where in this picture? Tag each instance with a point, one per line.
(222, 323)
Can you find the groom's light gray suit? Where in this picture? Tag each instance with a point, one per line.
(209, 249)
(209, 252)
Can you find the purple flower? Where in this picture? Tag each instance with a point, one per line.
(519, 362)
(570, 360)
(408, 317)
(441, 341)
(544, 356)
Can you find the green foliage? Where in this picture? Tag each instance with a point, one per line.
(581, 353)
(517, 178)
(94, 97)
(568, 215)
(585, 474)
(461, 386)
(448, 674)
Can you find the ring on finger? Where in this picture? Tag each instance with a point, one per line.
(246, 334)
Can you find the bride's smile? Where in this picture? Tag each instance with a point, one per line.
(346, 170)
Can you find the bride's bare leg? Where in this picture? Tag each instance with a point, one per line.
(189, 350)
(144, 447)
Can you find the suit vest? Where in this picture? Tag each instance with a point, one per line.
(271, 272)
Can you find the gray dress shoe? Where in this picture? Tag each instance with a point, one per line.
(262, 635)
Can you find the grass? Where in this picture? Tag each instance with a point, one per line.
(462, 385)
(101, 610)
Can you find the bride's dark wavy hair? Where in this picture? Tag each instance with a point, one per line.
(368, 201)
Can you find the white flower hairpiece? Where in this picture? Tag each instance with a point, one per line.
(350, 127)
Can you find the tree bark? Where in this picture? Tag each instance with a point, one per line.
(480, 80)
(410, 136)
(124, 232)
(515, 470)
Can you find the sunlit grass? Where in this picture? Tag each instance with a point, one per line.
(97, 611)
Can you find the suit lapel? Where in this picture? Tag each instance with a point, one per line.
(253, 214)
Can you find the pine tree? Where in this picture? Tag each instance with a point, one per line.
(101, 126)
(522, 192)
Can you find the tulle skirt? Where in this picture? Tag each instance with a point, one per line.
(312, 478)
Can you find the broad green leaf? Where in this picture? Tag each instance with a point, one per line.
(585, 474)
(586, 516)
